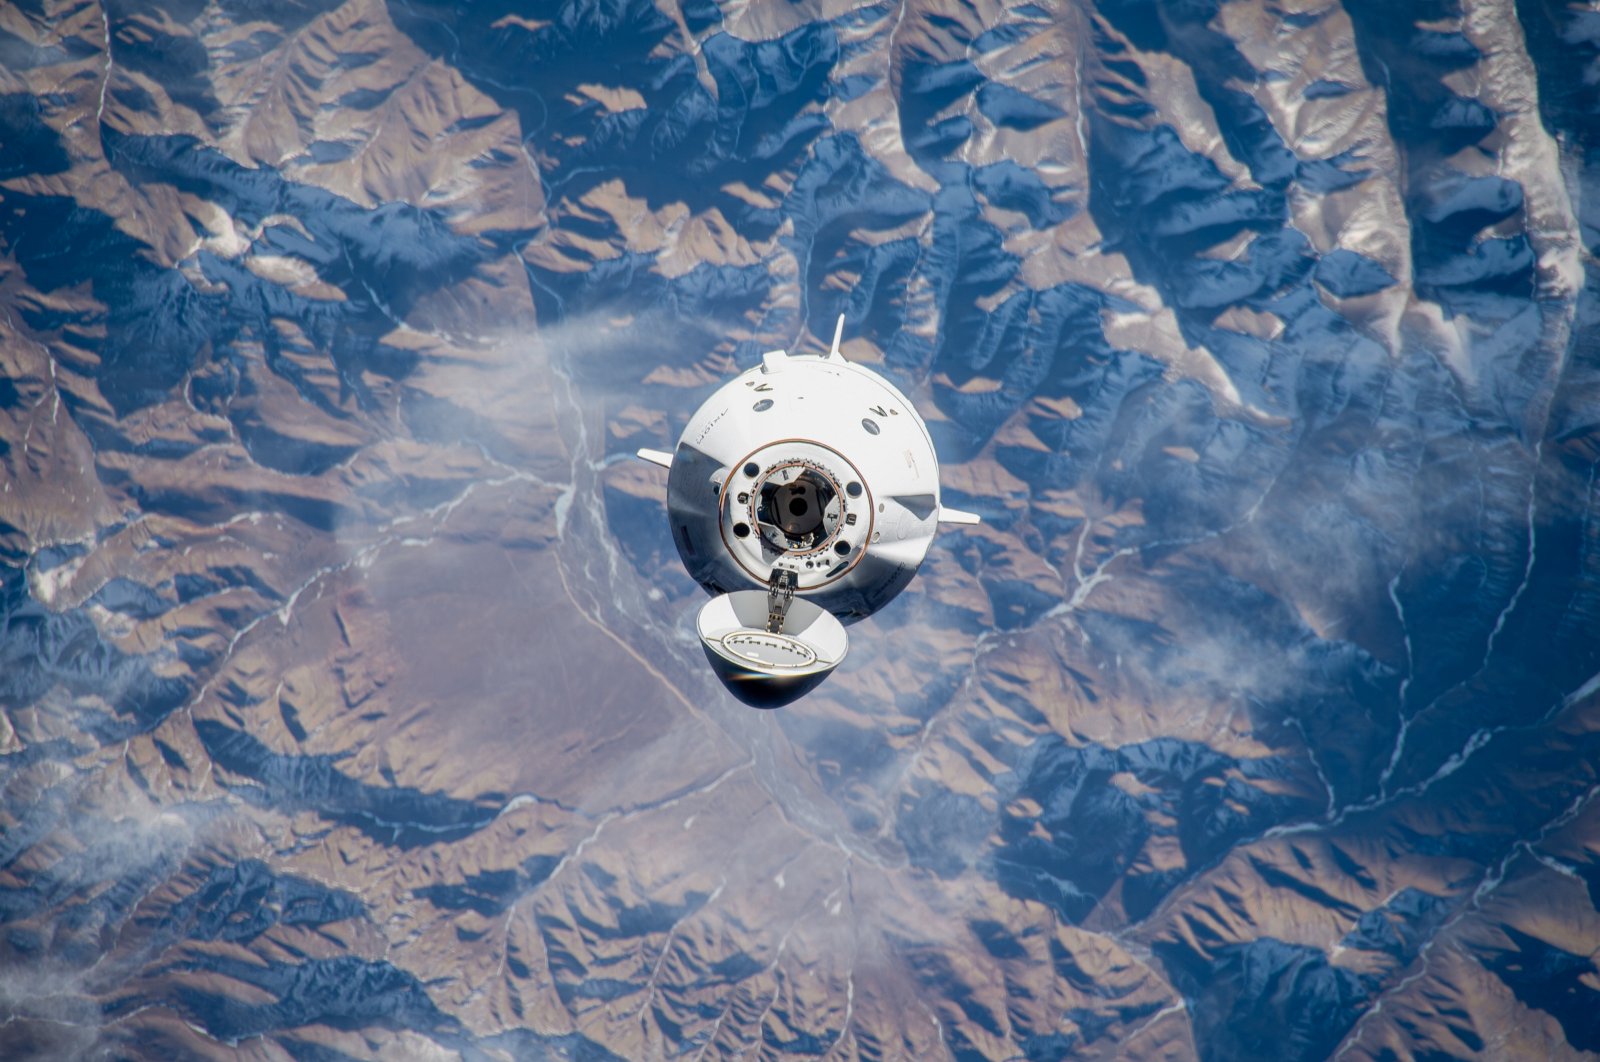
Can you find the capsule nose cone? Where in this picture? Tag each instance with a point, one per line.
(762, 669)
(762, 688)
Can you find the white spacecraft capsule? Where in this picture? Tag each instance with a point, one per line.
(803, 493)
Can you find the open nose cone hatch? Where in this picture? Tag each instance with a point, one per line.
(762, 667)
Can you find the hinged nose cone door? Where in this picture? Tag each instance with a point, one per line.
(763, 668)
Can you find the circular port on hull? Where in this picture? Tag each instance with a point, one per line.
(799, 509)
(799, 505)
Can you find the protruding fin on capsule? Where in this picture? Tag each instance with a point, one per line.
(948, 515)
(656, 457)
(838, 334)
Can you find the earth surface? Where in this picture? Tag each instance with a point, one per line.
(350, 703)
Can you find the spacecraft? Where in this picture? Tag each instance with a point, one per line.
(803, 495)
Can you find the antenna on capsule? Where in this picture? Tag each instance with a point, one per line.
(838, 334)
